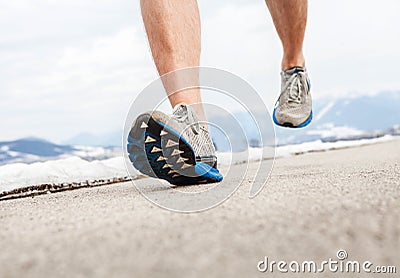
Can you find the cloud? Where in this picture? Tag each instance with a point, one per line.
(85, 87)
(70, 66)
(350, 46)
(68, 79)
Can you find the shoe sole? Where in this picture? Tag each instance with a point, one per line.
(304, 124)
(158, 151)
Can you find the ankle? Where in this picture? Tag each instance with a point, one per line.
(291, 62)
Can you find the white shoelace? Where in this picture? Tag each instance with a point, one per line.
(187, 117)
(295, 87)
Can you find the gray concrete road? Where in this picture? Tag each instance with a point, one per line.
(313, 205)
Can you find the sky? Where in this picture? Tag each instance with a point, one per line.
(69, 67)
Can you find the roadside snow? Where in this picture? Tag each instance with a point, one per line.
(72, 169)
(255, 154)
(75, 169)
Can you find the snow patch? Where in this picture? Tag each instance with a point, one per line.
(255, 154)
(339, 132)
(72, 169)
(75, 169)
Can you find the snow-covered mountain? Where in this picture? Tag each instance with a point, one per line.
(334, 119)
(339, 118)
(30, 150)
(86, 139)
(348, 118)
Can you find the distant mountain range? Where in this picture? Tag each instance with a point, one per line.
(104, 140)
(30, 150)
(344, 118)
(334, 119)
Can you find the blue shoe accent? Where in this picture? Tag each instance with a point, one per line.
(207, 171)
(152, 159)
(274, 118)
(297, 69)
(304, 124)
(307, 122)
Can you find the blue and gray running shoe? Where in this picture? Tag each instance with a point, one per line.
(175, 148)
(294, 106)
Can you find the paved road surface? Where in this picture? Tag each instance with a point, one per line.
(313, 205)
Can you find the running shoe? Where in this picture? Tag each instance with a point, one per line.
(294, 106)
(175, 148)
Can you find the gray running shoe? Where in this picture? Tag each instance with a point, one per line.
(196, 134)
(176, 148)
(294, 106)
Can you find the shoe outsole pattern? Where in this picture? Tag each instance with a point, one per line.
(304, 124)
(158, 151)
